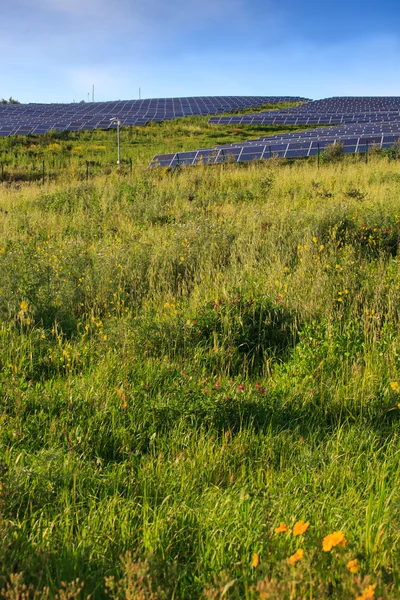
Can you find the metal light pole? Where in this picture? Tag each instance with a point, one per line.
(118, 124)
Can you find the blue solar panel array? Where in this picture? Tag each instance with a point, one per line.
(364, 122)
(323, 112)
(25, 119)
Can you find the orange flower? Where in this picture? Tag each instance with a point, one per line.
(300, 527)
(296, 556)
(122, 397)
(353, 566)
(282, 528)
(333, 539)
(368, 593)
(255, 561)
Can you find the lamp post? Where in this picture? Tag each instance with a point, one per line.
(118, 124)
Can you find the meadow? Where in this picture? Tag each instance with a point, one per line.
(200, 373)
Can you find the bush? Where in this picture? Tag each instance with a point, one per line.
(333, 153)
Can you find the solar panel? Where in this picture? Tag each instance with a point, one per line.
(73, 117)
(283, 148)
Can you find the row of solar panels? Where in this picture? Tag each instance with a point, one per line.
(322, 133)
(350, 104)
(285, 149)
(19, 119)
(35, 126)
(158, 103)
(323, 112)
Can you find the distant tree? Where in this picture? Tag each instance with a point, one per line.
(11, 100)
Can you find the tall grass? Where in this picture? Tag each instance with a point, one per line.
(189, 358)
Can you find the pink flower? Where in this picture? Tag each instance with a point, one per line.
(241, 387)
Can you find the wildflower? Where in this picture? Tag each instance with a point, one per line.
(282, 528)
(241, 387)
(24, 306)
(265, 224)
(368, 593)
(333, 539)
(321, 247)
(300, 527)
(261, 390)
(353, 566)
(298, 555)
(395, 385)
(314, 240)
(255, 560)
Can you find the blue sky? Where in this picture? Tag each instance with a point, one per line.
(54, 50)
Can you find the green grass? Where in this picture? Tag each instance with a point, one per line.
(65, 154)
(189, 358)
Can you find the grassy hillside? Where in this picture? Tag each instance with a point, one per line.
(192, 362)
(92, 153)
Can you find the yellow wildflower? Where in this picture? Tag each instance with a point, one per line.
(24, 306)
(353, 566)
(255, 561)
(282, 528)
(395, 385)
(368, 593)
(298, 555)
(300, 527)
(333, 539)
